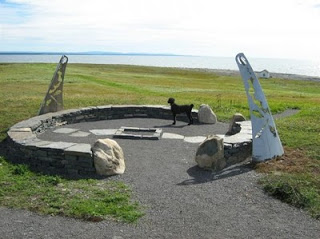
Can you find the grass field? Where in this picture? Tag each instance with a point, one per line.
(23, 86)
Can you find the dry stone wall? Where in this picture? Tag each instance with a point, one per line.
(73, 159)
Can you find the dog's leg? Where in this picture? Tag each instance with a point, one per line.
(174, 119)
(190, 118)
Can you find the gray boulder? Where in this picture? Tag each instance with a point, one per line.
(108, 157)
(210, 154)
(235, 128)
(206, 115)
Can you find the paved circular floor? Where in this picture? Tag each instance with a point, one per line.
(89, 132)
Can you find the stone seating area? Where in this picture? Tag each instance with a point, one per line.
(75, 159)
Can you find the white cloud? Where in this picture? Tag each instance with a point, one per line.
(273, 28)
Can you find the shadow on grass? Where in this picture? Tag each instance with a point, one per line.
(200, 175)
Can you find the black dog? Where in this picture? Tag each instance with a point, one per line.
(178, 109)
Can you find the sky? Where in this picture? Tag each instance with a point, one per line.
(259, 28)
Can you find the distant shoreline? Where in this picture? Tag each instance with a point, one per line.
(297, 70)
(285, 76)
(91, 53)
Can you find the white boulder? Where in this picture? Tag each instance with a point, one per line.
(206, 115)
(108, 157)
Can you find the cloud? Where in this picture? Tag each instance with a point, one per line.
(200, 27)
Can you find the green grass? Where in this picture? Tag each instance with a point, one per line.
(299, 190)
(293, 178)
(88, 199)
(23, 86)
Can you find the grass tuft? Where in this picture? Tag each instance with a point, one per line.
(293, 178)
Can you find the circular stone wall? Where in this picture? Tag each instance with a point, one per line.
(75, 159)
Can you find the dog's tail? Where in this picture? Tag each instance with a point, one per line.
(191, 106)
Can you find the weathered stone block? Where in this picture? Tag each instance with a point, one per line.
(210, 154)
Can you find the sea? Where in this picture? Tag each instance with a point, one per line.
(285, 66)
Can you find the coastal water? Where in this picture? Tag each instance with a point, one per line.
(288, 66)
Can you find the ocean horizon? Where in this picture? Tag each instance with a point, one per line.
(284, 66)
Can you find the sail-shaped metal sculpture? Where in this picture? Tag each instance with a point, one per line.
(53, 100)
(266, 143)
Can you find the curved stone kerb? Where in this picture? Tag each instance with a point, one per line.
(70, 158)
(76, 160)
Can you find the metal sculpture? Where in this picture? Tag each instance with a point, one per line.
(266, 143)
(53, 100)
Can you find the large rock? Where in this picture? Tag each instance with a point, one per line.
(210, 154)
(235, 128)
(108, 157)
(206, 115)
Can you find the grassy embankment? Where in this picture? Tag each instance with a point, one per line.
(293, 178)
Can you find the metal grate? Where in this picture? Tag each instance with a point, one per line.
(138, 133)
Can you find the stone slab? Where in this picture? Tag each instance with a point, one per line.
(194, 139)
(29, 123)
(20, 135)
(172, 136)
(237, 138)
(221, 135)
(21, 129)
(103, 131)
(104, 107)
(57, 145)
(246, 131)
(79, 149)
(27, 140)
(245, 123)
(65, 130)
(38, 143)
(80, 134)
(138, 133)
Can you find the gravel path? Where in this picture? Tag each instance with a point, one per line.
(179, 199)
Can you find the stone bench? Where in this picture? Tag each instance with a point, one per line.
(74, 159)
